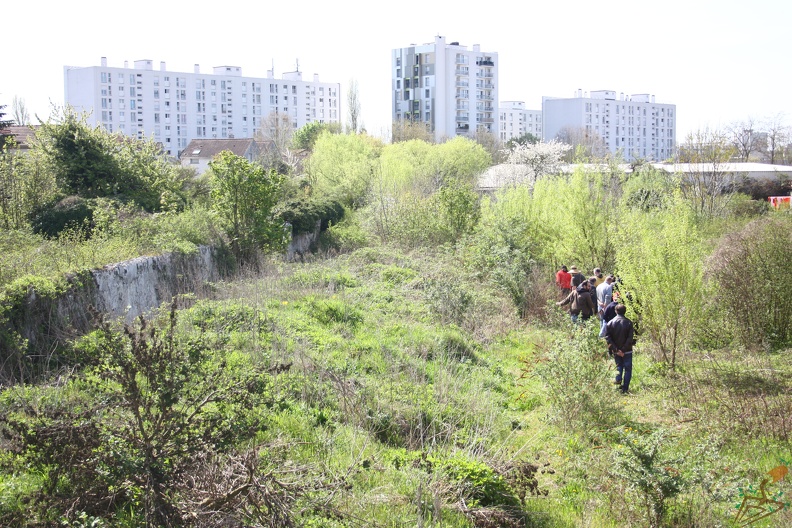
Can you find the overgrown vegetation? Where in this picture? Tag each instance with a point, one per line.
(423, 375)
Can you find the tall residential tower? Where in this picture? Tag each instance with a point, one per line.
(451, 89)
(175, 107)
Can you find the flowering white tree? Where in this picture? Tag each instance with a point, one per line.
(528, 162)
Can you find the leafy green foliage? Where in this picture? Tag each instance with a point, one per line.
(72, 212)
(93, 163)
(244, 196)
(305, 213)
(641, 460)
(26, 187)
(151, 402)
(575, 378)
(660, 261)
(305, 137)
(751, 268)
(342, 165)
(479, 484)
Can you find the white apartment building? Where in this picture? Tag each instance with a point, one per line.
(516, 120)
(452, 89)
(634, 124)
(174, 108)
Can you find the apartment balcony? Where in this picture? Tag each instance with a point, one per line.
(462, 119)
(485, 63)
(485, 120)
(485, 109)
(462, 128)
(463, 107)
(462, 84)
(485, 98)
(485, 75)
(462, 71)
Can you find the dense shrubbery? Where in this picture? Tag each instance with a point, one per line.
(751, 274)
(306, 214)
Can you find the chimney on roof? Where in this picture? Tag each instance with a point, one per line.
(126, 64)
(162, 65)
(197, 69)
(316, 77)
(103, 62)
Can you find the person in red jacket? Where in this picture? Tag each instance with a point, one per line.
(564, 281)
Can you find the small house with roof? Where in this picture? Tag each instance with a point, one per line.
(199, 152)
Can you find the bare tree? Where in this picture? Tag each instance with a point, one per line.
(586, 145)
(20, 112)
(353, 104)
(274, 139)
(406, 129)
(745, 137)
(707, 183)
(777, 134)
(491, 144)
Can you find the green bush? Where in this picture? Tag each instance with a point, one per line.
(577, 379)
(641, 460)
(478, 484)
(305, 214)
(70, 213)
(752, 272)
(154, 402)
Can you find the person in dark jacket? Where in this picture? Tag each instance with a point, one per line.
(580, 303)
(608, 314)
(577, 277)
(620, 336)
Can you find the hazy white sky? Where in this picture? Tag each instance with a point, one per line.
(718, 61)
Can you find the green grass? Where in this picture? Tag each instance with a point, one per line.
(391, 409)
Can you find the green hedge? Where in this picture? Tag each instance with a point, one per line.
(303, 214)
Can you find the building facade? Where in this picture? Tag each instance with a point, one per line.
(173, 108)
(516, 120)
(451, 89)
(634, 125)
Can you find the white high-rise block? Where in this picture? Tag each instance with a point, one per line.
(634, 125)
(452, 89)
(174, 108)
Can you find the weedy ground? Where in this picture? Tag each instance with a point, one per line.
(407, 392)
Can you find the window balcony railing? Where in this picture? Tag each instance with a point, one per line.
(485, 62)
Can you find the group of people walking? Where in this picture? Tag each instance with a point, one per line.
(595, 296)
